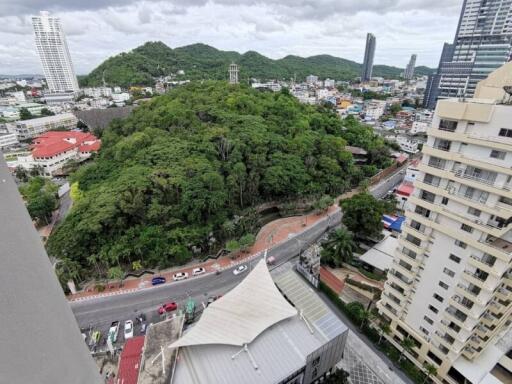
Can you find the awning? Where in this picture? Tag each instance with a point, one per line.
(242, 314)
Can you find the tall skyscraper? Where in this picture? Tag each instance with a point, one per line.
(432, 89)
(41, 342)
(54, 54)
(449, 289)
(409, 70)
(233, 73)
(369, 54)
(482, 44)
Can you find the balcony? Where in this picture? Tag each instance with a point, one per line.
(480, 280)
(471, 173)
(396, 289)
(471, 293)
(401, 277)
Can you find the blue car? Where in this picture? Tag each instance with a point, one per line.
(158, 280)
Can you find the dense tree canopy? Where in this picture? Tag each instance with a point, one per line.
(199, 61)
(183, 171)
(41, 198)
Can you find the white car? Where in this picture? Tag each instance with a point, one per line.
(240, 269)
(128, 329)
(180, 276)
(198, 271)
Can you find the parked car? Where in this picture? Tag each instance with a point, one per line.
(158, 280)
(128, 329)
(113, 331)
(180, 276)
(143, 328)
(240, 269)
(167, 307)
(198, 271)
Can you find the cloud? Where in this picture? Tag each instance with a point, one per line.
(98, 29)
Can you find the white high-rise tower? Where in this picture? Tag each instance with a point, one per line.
(54, 54)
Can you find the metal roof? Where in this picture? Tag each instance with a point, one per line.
(242, 314)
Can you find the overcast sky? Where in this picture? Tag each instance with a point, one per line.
(97, 29)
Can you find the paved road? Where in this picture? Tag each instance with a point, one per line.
(381, 189)
(100, 312)
(64, 207)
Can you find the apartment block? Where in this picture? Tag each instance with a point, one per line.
(450, 286)
(28, 129)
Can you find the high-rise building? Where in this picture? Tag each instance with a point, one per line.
(432, 89)
(41, 342)
(369, 54)
(409, 70)
(449, 289)
(54, 54)
(483, 43)
(233, 73)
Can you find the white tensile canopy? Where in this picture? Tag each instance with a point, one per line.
(242, 314)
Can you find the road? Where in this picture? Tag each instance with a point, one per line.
(380, 190)
(100, 312)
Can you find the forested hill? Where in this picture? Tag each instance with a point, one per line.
(183, 171)
(200, 61)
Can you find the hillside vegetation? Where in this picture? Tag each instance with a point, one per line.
(200, 61)
(182, 173)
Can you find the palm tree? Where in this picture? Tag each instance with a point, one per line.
(366, 317)
(385, 329)
(407, 345)
(341, 246)
(430, 370)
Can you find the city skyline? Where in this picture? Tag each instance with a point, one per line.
(94, 32)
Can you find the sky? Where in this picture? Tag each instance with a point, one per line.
(97, 29)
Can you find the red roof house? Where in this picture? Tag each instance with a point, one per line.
(53, 143)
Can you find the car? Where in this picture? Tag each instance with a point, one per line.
(128, 329)
(240, 269)
(113, 331)
(180, 276)
(143, 328)
(167, 307)
(158, 280)
(198, 271)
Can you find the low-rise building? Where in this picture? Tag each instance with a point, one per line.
(28, 129)
(8, 140)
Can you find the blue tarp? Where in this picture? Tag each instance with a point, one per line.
(393, 223)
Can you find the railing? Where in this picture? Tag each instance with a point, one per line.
(474, 257)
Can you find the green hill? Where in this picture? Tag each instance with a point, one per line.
(200, 61)
(181, 174)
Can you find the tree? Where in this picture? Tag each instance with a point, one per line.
(46, 112)
(322, 204)
(41, 199)
(116, 273)
(25, 114)
(21, 174)
(407, 345)
(339, 376)
(362, 214)
(36, 170)
(395, 108)
(384, 329)
(246, 241)
(136, 265)
(232, 246)
(339, 247)
(430, 370)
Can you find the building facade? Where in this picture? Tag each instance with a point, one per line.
(369, 54)
(432, 89)
(483, 43)
(54, 54)
(450, 287)
(28, 129)
(409, 70)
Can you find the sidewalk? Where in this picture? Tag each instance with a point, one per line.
(270, 235)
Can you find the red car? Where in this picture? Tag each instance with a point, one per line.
(167, 307)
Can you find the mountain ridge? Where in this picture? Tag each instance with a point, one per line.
(201, 61)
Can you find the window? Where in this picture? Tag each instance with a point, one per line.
(428, 320)
(424, 331)
(449, 272)
(438, 297)
(443, 285)
(433, 309)
(505, 132)
(500, 155)
(460, 244)
(466, 228)
(444, 201)
(316, 361)
(452, 257)
(447, 125)
(434, 358)
(427, 196)
(474, 211)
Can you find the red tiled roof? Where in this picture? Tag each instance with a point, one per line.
(55, 142)
(405, 189)
(129, 361)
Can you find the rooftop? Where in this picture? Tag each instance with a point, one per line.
(54, 142)
(381, 256)
(129, 361)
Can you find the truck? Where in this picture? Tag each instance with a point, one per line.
(113, 331)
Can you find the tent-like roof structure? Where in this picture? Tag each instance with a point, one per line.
(242, 314)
